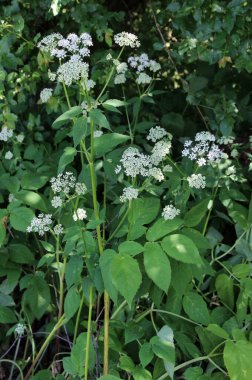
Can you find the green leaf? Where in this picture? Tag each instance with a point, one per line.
(114, 103)
(131, 248)
(19, 253)
(157, 265)
(7, 315)
(225, 289)
(66, 116)
(218, 331)
(79, 130)
(163, 347)
(20, 218)
(181, 248)
(32, 199)
(99, 118)
(196, 213)
(196, 308)
(237, 358)
(72, 301)
(146, 354)
(105, 264)
(141, 374)
(107, 142)
(162, 227)
(195, 373)
(37, 297)
(45, 374)
(126, 276)
(73, 270)
(109, 377)
(144, 210)
(66, 158)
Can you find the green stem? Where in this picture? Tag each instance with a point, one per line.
(66, 94)
(88, 332)
(230, 249)
(78, 319)
(147, 312)
(124, 303)
(61, 289)
(176, 166)
(119, 225)
(209, 211)
(60, 323)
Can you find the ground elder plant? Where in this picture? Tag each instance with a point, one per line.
(117, 240)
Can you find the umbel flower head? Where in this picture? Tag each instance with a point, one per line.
(126, 39)
(40, 224)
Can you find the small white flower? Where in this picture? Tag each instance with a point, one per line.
(80, 214)
(156, 133)
(135, 163)
(6, 134)
(63, 182)
(121, 68)
(51, 76)
(170, 212)
(8, 155)
(143, 78)
(98, 133)
(84, 107)
(45, 94)
(108, 57)
(234, 153)
(118, 169)
(58, 229)
(80, 188)
(126, 39)
(154, 66)
(11, 198)
(156, 173)
(40, 224)
(20, 329)
(56, 201)
(226, 140)
(120, 79)
(197, 181)
(129, 193)
(204, 136)
(90, 84)
(20, 138)
(201, 161)
(160, 150)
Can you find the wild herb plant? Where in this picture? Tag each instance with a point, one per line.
(126, 265)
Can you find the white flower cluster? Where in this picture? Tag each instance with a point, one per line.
(6, 134)
(98, 134)
(170, 212)
(8, 155)
(126, 39)
(156, 133)
(20, 138)
(226, 140)
(40, 224)
(20, 329)
(129, 193)
(197, 181)
(65, 183)
(135, 163)
(156, 173)
(203, 150)
(58, 229)
(45, 95)
(74, 49)
(79, 214)
(142, 62)
(160, 150)
(143, 78)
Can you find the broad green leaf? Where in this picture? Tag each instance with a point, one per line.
(217, 330)
(109, 377)
(99, 118)
(105, 264)
(19, 253)
(66, 158)
(45, 374)
(144, 210)
(162, 227)
(80, 130)
(31, 180)
(66, 116)
(114, 103)
(166, 336)
(20, 218)
(195, 373)
(181, 248)
(131, 248)
(237, 358)
(107, 142)
(32, 199)
(73, 270)
(196, 213)
(126, 276)
(225, 289)
(145, 354)
(7, 315)
(127, 364)
(196, 308)
(157, 265)
(141, 374)
(72, 302)
(37, 297)
(199, 240)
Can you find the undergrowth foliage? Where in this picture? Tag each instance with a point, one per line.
(116, 257)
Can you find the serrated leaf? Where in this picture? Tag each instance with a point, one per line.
(157, 265)
(146, 354)
(32, 199)
(218, 331)
(181, 248)
(7, 315)
(144, 210)
(79, 130)
(66, 116)
(131, 248)
(126, 276)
